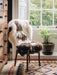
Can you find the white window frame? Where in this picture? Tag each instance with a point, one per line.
(41, 9)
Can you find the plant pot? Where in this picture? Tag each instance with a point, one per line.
(48, 48)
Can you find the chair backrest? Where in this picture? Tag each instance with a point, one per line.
(20, 29)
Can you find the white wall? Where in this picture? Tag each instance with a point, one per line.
(14, 9)
(37, 37)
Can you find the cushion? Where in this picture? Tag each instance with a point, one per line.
(33, 47)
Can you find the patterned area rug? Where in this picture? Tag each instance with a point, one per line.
(46, 68)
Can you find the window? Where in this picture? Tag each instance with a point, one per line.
(43, 12)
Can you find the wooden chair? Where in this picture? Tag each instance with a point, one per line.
(29, 48)
(26, 48)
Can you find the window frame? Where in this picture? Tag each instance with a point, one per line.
(41, 10)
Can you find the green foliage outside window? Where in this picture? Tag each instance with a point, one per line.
(35, 4)
(35, 17)
(47, 15)
(55, 4)
(47, 18)
(55, 17)
(47, 4)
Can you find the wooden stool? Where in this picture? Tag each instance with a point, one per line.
(29, 48)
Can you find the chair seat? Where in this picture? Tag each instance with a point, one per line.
(33, 47)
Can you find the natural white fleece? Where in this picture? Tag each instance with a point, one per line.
(27, 30)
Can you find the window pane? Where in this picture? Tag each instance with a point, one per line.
(47, 4)
(35, 4)
(55, 3)
(35, 17)
(47, 18)
(55, 18)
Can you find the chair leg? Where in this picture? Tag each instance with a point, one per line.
(15, 58)
(27, 60)
(39, 58)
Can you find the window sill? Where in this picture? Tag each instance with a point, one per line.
(50, 27)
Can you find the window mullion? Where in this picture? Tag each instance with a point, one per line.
(41, 13)
(53, 12)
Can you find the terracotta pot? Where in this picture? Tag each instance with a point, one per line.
(48, 48)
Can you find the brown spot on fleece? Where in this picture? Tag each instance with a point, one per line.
(19, 27)
(23, 38)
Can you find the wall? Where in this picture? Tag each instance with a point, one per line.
(14, 9)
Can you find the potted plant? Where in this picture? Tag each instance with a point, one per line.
(48, 46)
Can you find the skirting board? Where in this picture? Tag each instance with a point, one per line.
(42, 56)
(35, 56)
